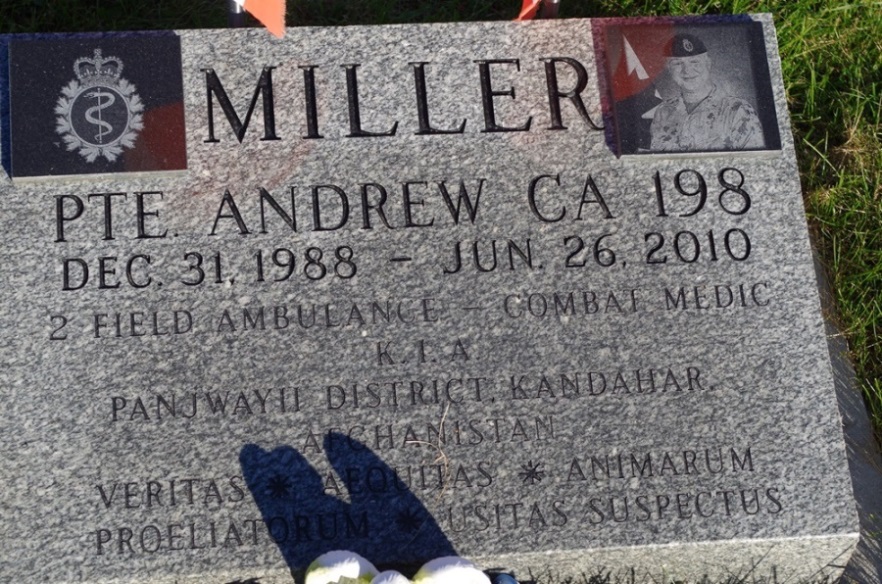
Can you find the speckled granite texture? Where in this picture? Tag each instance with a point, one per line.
(239, 385)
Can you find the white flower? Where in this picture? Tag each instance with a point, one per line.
(390, 577)
(450, 570)
(329, 567)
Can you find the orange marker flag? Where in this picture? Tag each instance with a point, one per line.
(270, 13)
(538, 9)
(529, 9)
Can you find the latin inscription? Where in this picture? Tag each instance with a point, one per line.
(224, 497)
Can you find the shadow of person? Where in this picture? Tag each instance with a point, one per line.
(306, 513)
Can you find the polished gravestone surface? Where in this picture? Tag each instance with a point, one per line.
(538, 294)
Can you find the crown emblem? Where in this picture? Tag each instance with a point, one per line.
(98, 69)
(99, 113)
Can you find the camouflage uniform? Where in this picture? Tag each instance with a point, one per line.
(718, 122)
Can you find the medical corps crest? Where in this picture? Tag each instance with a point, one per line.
(99, 112)
(96, 104)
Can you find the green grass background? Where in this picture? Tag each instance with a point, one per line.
(832, 56)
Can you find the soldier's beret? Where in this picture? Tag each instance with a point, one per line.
(685, 45)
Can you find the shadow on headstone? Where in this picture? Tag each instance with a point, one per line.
(363, 505)
(864, 458)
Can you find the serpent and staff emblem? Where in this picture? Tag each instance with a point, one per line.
(99, 113)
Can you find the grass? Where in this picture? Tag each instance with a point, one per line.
(835, 88)
(832, 56)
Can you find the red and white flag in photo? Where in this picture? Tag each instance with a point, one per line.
(635, 63)
(270, 13)
(636, 57)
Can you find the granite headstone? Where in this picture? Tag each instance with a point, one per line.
(538, 294)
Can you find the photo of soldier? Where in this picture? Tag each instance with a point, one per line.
(678, 89)
(701, 117)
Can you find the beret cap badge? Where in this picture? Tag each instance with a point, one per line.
(685, 45)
